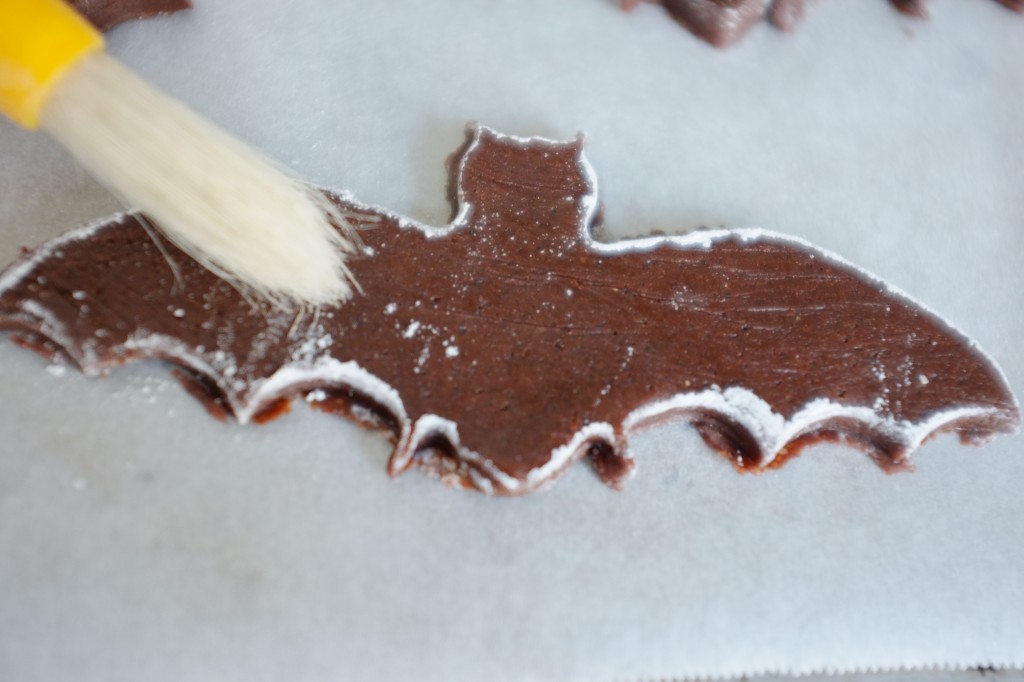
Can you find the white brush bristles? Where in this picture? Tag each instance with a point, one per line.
(219, 200)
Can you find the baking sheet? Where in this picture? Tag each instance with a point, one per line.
(140, 539)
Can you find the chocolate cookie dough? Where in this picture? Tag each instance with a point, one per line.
(723, 22)
(106, 14)
(500, 348)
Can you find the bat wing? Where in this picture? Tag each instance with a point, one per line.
(724, 23)
(502, 347)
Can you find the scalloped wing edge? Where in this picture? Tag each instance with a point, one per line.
(733, 421)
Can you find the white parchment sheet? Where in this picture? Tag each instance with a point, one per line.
(142, 540)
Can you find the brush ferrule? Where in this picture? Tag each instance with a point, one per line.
(40, 40)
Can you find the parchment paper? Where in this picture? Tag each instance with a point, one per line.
(140, 539)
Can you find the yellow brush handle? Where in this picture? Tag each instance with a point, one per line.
(39, 41)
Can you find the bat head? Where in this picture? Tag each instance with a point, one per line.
(528, 192)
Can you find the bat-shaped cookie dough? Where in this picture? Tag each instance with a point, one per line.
(106, 14)
(502, 347)
(724, 22)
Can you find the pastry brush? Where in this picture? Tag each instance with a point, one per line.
(261, 229)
